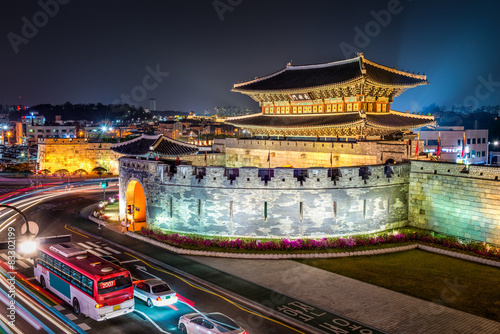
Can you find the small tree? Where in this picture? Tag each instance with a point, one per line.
(61, 172)
(99, 170)
(45, 172)
(80, 172)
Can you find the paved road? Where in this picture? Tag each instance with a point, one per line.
(54, 216)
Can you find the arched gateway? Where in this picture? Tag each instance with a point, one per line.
(333, 123)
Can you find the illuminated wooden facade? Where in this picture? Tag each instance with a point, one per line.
(349, 98)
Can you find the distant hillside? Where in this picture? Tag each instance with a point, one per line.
(90, 112)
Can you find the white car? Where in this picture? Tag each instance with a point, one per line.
(154, 292)
(208, 323)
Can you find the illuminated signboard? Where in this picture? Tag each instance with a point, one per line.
(300, 97)
(108, 284)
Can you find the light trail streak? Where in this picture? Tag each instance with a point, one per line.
(23, 207)
(214, 294)
(7, 330)
(37, 307)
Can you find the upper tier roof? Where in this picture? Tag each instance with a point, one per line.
(157, 144)
(293, 78)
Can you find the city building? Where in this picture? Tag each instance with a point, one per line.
(152, 105)
(170, 128)
(475, 148)
(27, 133)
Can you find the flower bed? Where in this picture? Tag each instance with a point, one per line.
(327, 244)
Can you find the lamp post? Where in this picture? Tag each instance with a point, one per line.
(8, 137)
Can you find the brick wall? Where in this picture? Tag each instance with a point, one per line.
(447, 198)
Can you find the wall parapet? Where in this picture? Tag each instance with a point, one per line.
(276, 178)
(456, 170)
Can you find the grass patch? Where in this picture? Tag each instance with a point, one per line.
(462, 285)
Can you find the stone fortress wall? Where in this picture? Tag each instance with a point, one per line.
(214, 201)
(76, 153)
(306, 154)
(452, 199)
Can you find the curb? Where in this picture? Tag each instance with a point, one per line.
(199, 281)
(314, 255)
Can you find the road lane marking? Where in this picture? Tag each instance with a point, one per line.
(66, 227)
(92, 244)
(128, 261)
(215, 294)
(154, 323)
(144, 271)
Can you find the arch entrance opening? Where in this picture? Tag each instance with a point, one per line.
(136, 205)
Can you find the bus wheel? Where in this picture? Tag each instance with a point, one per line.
(76, 306)
(149, 303)
(42, 283)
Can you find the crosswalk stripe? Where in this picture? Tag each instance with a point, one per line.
(92, 244)
(22, 264)
(19, 257)
(100, 250)
(84, 326)
(85, 246)
(18, 260)
(112, 250)
(94, 252)
(59, 307)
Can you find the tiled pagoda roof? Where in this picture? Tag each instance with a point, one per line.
(385, 122)
(297, 78)
(157, 144)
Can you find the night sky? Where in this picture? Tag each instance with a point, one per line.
(98, 50)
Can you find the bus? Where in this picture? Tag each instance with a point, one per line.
(92, 286)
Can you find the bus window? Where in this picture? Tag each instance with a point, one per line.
(114, 284)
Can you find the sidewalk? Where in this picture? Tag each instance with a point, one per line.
(377, 307)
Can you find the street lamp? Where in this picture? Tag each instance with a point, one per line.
(8, 137)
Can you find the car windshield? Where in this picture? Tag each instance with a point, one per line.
(224, 324)
(160, 288)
